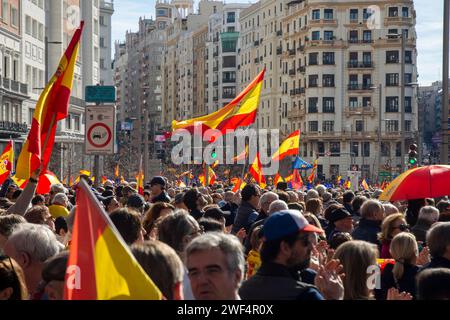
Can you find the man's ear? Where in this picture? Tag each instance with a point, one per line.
(25, 260)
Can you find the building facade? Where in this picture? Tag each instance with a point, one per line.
(105, 22)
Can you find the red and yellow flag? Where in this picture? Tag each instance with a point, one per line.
(289, 147)
(101, 266)
(104, 179)
(211, 177)
(257, 173)
(70, 181)
(116, 171)
(297, 181)
(242, 155)
(140, 179)
(312, 176)
(365, 185)
(277, 179)
(240, 112)
(51, 107)
(6, 162)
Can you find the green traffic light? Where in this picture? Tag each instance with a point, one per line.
(213, 155)
(412, 161)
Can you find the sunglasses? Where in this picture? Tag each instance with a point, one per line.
(403, 227)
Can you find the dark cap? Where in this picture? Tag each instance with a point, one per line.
(158, 180)
(135, 201)
(338, 214)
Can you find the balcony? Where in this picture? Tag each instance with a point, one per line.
(398, 20)
(358, 41)
(291, 52)
(215, 98)
(302, 69)
(367, 111)
(14, 86)
(279, 33)
(299, 91)
(256, 60)
(13, 127)
(296, 114)
(292, 72)
(359, 87)
(77, 101)
(323, 22)
(216, 69)
(301, 48)
(215, 83)
(360, 64)
(228, 80)
(292, 92)
(226, 95)
(279, 51)
(256, 43)
(215, 54)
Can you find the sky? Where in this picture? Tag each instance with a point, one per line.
(428, 27)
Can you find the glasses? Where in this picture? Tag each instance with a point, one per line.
(402, 227)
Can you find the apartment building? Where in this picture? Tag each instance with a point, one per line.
(200, 73)
(335, 61)
(13, 87)
(105, 22)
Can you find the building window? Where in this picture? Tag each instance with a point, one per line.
(28, 25)
(408, 125)
(313, 81)
(354, 146)
(366, 13)
(359, 125)
(408, 56)
(328, 14)
(328, 35)
(392, 56)
(315, 14)
(328, 58)
(335, 149)
(313, 126)
(102, 21)
(334, 170)
(353, 15)
(328, 80)
(391, 125)
(367, 102)
(328, 105)
(365, 149)
(353, 102)
(313, 58)
(353, 36)
(76, 121)
(393, 12)
(367, 36)
(312, 105)
(398, 149)
(30, 115)
(328, 126)
(102, 42)
(408, 106)
(315, 35)
(405, 12)
(385, 149)
(69, 122)
(230, 17)
(391, 79)
(408, 78)
(391, 104)
(14, 17)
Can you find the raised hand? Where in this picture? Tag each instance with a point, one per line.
(424, 257)
(394, 294)
(329, 280)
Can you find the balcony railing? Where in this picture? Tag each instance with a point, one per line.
(302, 69)
(359, 86)
(358, 41)
(301, 48)
(279, 50)
(292, 72)
(279, 33)
(256, 43)
(299, 91)
(228, 95)
(13, 126)
(349, 111)
(292, 92)
(215, 53)
(256, 60)
(360, 64)
(228, 80)
(215, 69)
(215, 83)
(291, 52)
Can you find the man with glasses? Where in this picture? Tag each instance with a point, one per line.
(286, 250)
(247, 213)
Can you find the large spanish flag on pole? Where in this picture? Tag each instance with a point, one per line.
(240, 112)
(101, 266)
(51, 107)
(289, 147)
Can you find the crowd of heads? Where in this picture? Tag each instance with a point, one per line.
(215, 243)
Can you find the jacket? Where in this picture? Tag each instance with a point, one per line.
(407, 282)
(162, 197)
(385, 252)
(420, 230)
(232, 208)
(367, 230)
(274, 282)
(245, 217)
(437, 262)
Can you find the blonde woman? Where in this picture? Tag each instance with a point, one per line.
(402, 274)
(391, 226)
(356, 257)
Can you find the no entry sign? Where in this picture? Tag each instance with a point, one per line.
(100, 129)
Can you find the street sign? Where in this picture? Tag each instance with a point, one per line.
(100, 94)
(100, 130)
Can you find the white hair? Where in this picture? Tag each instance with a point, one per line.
(312, 194)
(267, 197)
(57, 188)
(277, 205)
(321, 189)
(36, 240)
(61, 199)
(429, 214)
(228, 244)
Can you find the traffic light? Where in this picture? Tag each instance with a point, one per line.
(412, 161)
(214, 154)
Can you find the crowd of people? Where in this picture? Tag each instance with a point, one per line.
(210, 243)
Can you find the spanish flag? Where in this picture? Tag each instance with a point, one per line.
(140, 179)
(211, 177)
(312, 176)
(70, 181)
(104, 179)
(6, 162)
(297, 181)
(52, 107)
(240, 112)
(365, 185)
(257, 173)
(289, 147)
(277, 179)
(101, 266)
(116, 171)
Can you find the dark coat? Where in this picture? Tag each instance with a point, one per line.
(367, 230)
(245, 217)
(163, 197)
(407, 283)
(420, 230)
(274, 282)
